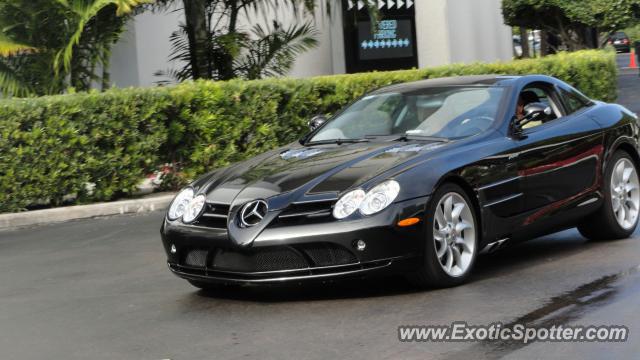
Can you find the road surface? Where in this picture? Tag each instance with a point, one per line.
(100, 289)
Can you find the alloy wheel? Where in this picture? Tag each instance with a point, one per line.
(454, 234)
(625, 193)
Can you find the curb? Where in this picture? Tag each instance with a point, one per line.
(48, 216)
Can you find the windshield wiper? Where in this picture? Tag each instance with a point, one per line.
(337, 141)
(408, 137)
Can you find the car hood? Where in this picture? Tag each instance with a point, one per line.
(298, 171)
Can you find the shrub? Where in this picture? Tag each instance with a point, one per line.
(53, 146)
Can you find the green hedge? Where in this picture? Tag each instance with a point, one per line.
(54, 146)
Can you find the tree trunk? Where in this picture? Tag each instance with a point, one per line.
(196, 23)
(106, 77)
(544, 43)
(594, 39)
(524, 42)
(225, 65)
(553, 43)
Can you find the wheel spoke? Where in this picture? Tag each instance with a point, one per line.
(457, 210)
(460, 241)
(461, 226)
(442, 250)
(615, 202)
(631, 205)
(622, 215)
(456, 256)
(626, 174)
(442, 223)
(448, 207)
(618, 173)
(449, 263)
(629, 187)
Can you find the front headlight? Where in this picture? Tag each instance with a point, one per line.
(194, 208)
(180, 203)
(348, 203)
(378, 198)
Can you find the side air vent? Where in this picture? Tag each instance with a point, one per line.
(214, 216)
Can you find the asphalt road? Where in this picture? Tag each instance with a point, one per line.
(99, 289)
(623, 60)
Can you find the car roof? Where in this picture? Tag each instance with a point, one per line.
(468, 80)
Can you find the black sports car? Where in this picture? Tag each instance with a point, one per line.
(417, 178)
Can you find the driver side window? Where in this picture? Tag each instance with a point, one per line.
(538, 93)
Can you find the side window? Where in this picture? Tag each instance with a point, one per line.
(539, 92)
(573, 100)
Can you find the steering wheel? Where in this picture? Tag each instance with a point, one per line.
(473, 125)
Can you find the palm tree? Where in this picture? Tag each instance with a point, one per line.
(213, 45)
(84, 12)
(272, 52)
(48, 45)
(261, 52)
(9, 47)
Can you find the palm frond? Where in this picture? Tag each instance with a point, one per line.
(85, 11)
(274, 50)
(9, 47)
(126, 6)
(10, 84)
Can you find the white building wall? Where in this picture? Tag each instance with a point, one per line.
(477, 32)
(145, 49)
(432, 33)
(328, 57)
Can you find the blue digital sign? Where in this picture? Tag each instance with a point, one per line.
(392, 39)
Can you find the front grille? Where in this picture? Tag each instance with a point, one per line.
(276, 258)
(305, 213)
(214, 216)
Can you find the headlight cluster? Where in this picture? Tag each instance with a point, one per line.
(376, 200)
(186, 206)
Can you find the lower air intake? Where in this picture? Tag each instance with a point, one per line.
(326, 254)
(271, 259)
(196, 258)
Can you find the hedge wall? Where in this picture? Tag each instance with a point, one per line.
(53, 146)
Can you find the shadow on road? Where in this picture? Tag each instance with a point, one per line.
(517, 257)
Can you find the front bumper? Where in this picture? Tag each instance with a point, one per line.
(306, 252)
(318, 274)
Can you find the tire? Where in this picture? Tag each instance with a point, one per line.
(605, 224)
(433, 269)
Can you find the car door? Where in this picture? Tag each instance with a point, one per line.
(558, 161)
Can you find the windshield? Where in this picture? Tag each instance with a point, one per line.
(445, 112)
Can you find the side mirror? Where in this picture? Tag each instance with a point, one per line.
(532, 112)
(535, 110)
(316, 122)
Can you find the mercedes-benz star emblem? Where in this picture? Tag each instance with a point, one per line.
(252, 213)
